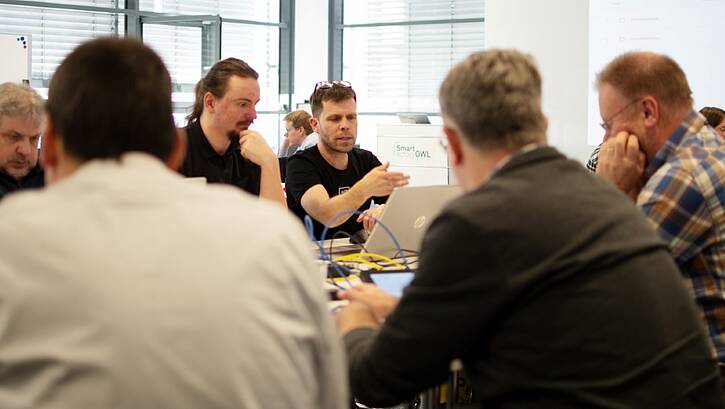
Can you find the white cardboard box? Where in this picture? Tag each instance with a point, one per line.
(416, 150)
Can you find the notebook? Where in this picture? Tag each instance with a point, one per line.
(408, 213)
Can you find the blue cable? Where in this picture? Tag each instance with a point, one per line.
(357, 212)
(339, 268)
(311, 231)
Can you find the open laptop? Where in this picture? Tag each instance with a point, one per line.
(408, 213)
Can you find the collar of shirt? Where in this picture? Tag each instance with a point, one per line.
(130, 171)
(506, 159)
(199, 137)
(691, 125)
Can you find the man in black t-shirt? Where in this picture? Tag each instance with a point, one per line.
(334, 176)
(21, 117)
(221, 147)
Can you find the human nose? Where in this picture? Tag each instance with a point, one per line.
(25, 147)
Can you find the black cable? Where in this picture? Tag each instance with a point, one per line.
(345, 234)
(401, 255)
(398, 254)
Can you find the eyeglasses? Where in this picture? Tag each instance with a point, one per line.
(443, 142)
(607, 123)
(330, 84)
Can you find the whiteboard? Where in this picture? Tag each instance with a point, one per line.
(690, 32)
(15, 49)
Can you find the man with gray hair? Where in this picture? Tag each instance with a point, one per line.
(21, 118)
(548, 285)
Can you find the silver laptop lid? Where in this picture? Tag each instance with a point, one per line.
(408, 213)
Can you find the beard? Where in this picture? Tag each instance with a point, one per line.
(337, 147)
(240, 126)
(18, 172)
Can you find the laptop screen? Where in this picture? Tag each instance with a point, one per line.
(407, 214)
(392, 283)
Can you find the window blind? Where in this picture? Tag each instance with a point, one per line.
(181, 47)
(56, 32)
(399, 67)
(258, 45)
(253, 10)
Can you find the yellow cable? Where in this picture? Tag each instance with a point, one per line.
(359, 260)
(355, 257)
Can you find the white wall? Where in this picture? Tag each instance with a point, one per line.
(555, 32)
(310, 47)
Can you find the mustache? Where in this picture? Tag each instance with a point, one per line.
(242, 124)
(17, 157)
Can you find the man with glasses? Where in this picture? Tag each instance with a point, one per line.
(334, 176)
(21, 118)
(549, 286)
(221, 147)
(606, 125)
(662, 154)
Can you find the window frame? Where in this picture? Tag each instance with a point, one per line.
(211, 26)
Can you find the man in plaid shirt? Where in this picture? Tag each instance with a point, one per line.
(660, 152)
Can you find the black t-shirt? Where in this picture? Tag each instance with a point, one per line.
(308, 168)
(231, 168)
(35, 178)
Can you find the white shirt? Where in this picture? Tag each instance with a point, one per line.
(123, 286)
(310, 141)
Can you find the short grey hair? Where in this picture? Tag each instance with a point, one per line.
(494, 97)
(20, 101)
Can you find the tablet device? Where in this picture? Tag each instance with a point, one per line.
(391, 282)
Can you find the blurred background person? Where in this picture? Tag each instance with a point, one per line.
(715, 118)
(298, 128)
(21, 120)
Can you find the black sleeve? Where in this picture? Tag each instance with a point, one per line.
(301, 175)
(442, 314)
(185, 168)
(253, 183)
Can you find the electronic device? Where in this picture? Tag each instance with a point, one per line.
(408, 213)
(413, 118)
(391, 281)
(359, 237)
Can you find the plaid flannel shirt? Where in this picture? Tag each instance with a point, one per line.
(594, 159)
(684, 197)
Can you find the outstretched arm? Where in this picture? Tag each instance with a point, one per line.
(378, 182)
